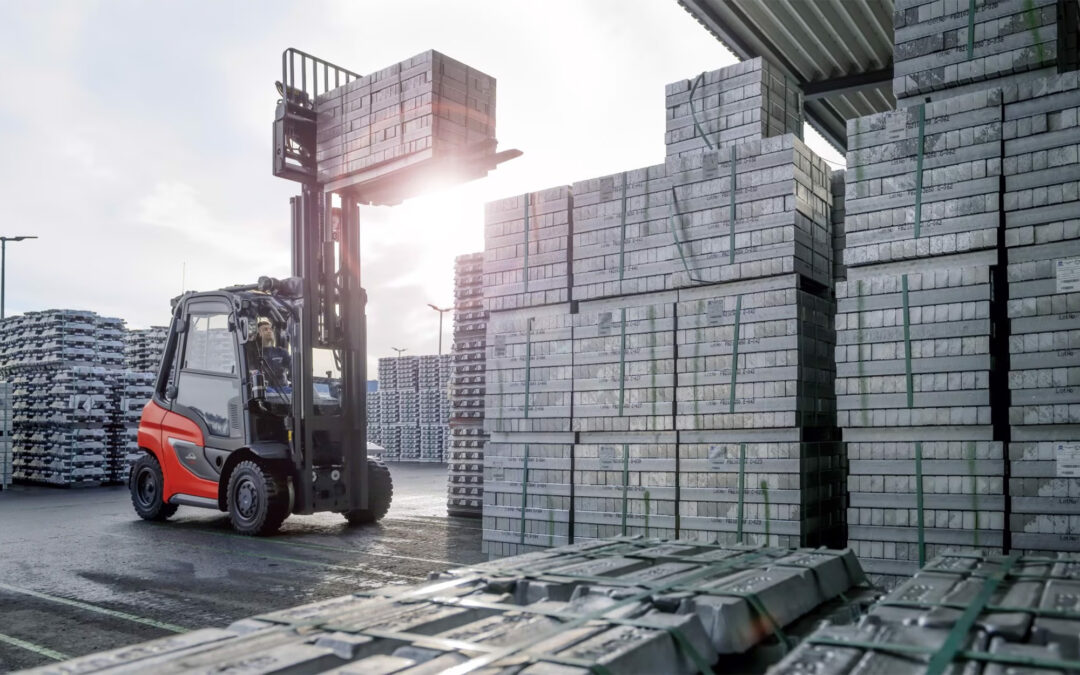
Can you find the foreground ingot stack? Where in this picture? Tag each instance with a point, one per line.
(963, 613)
(1042, 235)
(409, 115)
(614, 606)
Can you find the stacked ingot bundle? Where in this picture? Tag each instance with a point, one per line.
(1042, 236)
(143, 348)
(132, 390)
(838, 214)
(412, 114)
(963, 613)
(751, 99)
(613, 606)
(5, 435)
(948, 46)
(408, 415)
(465, 457)
(699, 332)
(433, 380)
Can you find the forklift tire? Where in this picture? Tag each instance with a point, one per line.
(380, 494)
(147, 484)
(258, 499)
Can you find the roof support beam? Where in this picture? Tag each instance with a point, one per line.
(846, 84)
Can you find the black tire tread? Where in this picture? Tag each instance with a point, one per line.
(277, 492)
(381, 493)
(162, 510)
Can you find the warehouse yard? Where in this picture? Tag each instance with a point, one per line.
(83, 574)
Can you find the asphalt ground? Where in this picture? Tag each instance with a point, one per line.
(81, 573)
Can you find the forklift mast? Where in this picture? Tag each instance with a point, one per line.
(330, 448)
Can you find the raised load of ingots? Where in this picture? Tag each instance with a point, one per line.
(416, 112)
(622, 606)
(465, 456)
(962, 613)
(1042, 219)
(924, 181)
(946, 46)
(748, 100)
(527, 249)
(757, 208)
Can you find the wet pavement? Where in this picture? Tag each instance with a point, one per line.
(80, 572)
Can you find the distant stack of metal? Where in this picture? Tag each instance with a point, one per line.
(409, 412)
(623, 606)
(62, 366)
(933, 331)
(467, 436)
(131, 391)
(687, 388)
(5, 435)
(960, 614)
(143, 348)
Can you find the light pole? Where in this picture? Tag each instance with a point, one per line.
(3, 263)
(399, 351)
(441, 311)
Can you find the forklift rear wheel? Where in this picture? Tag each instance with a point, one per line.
(258, 499)
(380, 494)
(147, 487)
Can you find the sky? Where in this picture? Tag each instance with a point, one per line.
(136, 138)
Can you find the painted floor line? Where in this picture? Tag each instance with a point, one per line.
(37, 649)
(94, 608)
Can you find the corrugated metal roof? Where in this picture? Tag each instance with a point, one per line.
(840, 51)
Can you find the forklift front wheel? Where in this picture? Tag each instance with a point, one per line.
(258, 498)
(380, 494)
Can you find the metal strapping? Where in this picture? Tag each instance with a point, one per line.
(742, 487)
(525, 267)
(675, 236)
(971, 29)
(909, 380)
(959, 633)
(864, 400)
(693, 113)
(625, 481)
(731, 209)
(524, 492)
(974, 489)
(528, 362)
(622, 233)
(622, 362)
(735, 354)
(919, 503)
(918, 169)
(765, 497)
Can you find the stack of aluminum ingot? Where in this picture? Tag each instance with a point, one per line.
(751, 99)
(426, 108)
(409, 412)
(950, 46)
(131, 392)
(433, 378)
(960, 614)
(1042, 236)
(5, 435)
(622, 606)
(838, 214)
(143, 348)
(465, 457)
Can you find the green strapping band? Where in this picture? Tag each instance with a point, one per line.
(731, 208)
(528, 362)
(918, 169)
(974, 490)
(959, 633)
(675, 236)
(735, 354)
(693, 113)
(919, 503)
(864, 395)
(909, 380)
(524, 492)
(742, 486)
(622, 362)
(622, 233)
(648, 506)
(652, 358)
(525, 267)
(971, 29)
(625, 480)
(765, 495)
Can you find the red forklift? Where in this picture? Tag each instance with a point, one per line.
(259, 405)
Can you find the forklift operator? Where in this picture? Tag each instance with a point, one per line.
(274, 361)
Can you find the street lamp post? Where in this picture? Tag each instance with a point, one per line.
(441, 311)
(400, 351)
(3, 263)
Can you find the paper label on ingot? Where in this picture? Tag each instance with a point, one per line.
(606, 321)
(1067, 274)
(1068, 460)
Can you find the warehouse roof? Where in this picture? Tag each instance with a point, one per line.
(840, 51)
